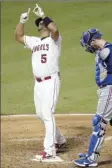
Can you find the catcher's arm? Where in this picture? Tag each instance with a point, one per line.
(19, 32)
(47, 22)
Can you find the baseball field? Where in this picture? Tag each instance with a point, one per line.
(22, 136)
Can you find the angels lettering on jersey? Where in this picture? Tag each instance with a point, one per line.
(45, 54)
(40, 47)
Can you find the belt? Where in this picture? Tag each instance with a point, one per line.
(45, 78)
(109, 72)
(42, 79)
(102, 86)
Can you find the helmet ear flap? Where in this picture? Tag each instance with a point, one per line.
(37, 21)
(86, 37)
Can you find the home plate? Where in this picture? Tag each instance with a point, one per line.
(55, 159)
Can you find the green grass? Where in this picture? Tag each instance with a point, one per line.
(78, 89)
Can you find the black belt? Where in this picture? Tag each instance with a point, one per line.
(102, 86)
(109, 72)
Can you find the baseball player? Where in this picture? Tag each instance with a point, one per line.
(93, 42)
(46, 50)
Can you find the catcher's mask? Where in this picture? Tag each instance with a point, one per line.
(88, 37)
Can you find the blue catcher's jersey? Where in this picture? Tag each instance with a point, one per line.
(104, 67)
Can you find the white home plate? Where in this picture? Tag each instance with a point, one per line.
(38, 158)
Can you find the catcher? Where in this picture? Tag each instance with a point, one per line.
(93, 42)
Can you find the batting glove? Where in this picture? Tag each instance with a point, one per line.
(24, 16)
(38, 11)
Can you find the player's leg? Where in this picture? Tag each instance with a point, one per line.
(38, 100)
(60, 141)
(97, 138)
(103, 115)
(50, 91)
(104, 107)
(49, 141)
(59, 137)
(51, 88)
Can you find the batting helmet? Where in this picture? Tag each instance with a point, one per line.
(37, 21)
(89, 36)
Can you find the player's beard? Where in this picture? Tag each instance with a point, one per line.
(39, 29)
(40, 26)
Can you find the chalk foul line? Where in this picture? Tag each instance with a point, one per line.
(108, 138)
(41, 139)
(57, 115)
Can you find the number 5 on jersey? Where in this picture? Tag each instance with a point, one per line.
(43, 58)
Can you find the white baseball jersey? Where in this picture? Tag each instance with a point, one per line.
(45, 54)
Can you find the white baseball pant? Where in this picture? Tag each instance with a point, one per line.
(45, 98)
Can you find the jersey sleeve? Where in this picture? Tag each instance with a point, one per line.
(58, 42)
(28, 41)
(59, 39)
(104, 53)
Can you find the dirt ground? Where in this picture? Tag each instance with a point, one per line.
(22, 138)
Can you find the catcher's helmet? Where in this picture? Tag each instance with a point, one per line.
(89, 36)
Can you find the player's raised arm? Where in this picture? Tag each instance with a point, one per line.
(19, 32)
(51, 26)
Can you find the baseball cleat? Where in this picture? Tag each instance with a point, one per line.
(44, 157)
(85, 163)
(61, 147)
(83, 155)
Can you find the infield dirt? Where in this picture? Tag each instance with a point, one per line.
(22, 138)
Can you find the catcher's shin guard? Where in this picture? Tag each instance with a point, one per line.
(97, 137)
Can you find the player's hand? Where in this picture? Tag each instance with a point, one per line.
(38, 11)
(24, 16)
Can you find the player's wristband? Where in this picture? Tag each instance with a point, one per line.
(47, 21)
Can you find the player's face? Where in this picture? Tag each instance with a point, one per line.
(40, 26)
(94, 44)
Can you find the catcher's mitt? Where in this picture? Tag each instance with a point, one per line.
(111, 122)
